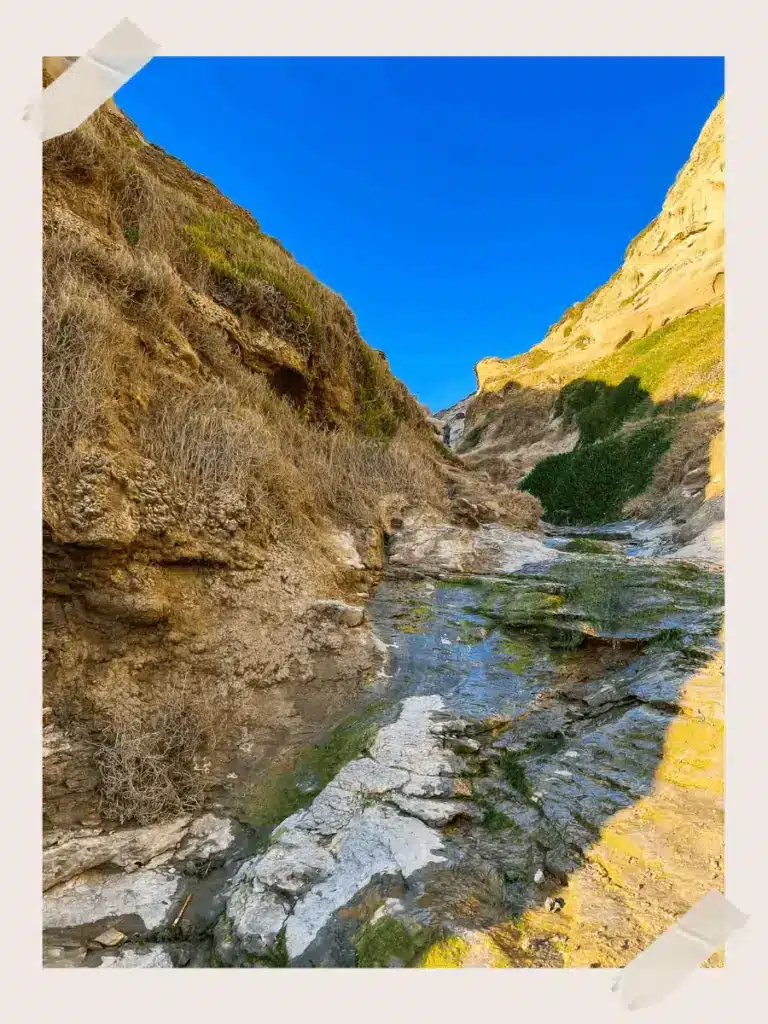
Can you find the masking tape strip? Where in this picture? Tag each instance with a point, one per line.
(91, 80)
(691, 940)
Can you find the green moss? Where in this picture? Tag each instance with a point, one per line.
(528, 608)
(520, 655)
(415, 618)
(496, 821)
(278, 797)
(277, 955)
(376, 945)
(513, 771)
(464, 582)
(586, 546)
(470, 633)
(593, 483)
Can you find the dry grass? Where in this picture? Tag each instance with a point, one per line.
(133, 367)
(518, 414)
(152, 763)
(689, 451)
(207, 442)
(79, 369)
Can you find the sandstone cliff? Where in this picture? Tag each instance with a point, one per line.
(647, 345)
(673, 267)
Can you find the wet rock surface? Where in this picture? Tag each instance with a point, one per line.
(543, 786)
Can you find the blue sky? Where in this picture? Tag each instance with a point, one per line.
(458, 204)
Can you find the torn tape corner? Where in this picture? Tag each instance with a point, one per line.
(687, 944)
(90, 80)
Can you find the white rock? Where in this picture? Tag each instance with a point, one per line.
(391, 907)
(408, 743)
(345, 549)
(148, 894)
(707, 548)
(332, 809)
(378, 841)
(429, 785)
(152, 956)
(380, 647)
(257, 914)
(294, 864)
(207, 835)
(490, 548)
(128, 848)
(433, 812)
(338, 611)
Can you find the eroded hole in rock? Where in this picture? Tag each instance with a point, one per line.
(290, 384)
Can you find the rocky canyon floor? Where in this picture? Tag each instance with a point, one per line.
(532, 779)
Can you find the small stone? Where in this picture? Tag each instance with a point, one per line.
(111, 937)
(465, 745)
(352, 616)
(454, 725)
(539, 876)
(434, 812)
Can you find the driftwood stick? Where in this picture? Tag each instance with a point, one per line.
(184, 906)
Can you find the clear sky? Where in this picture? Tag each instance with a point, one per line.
(458, 204)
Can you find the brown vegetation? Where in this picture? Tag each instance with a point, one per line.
(152, 765)
(684, 463)
(182, 341)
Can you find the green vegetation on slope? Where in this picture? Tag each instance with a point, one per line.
(387, 940)
(592, 484)
(599, 409)
(671, 370)
(683, 358)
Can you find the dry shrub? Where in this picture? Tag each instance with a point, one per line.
(523, 510)
(132, 363)
(79, 370)
(689, 451)
(518, 415)
(353, 475)
(215, 439)
(152, 763)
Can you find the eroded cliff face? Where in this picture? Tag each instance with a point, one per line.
(222, 450)
(674, 266)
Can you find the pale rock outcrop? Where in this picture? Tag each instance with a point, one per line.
(152, 956)
(488, 548)
(133, 848)
(150, 895)
(320, 858)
